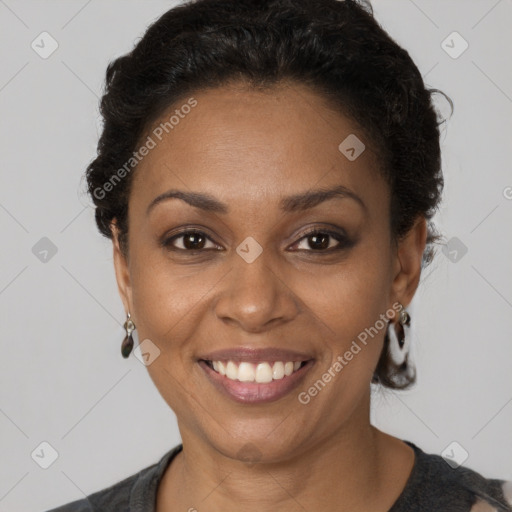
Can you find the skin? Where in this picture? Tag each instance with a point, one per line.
(249, 149)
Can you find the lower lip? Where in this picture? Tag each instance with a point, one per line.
(254, 392)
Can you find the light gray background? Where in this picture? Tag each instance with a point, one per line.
(63, 380)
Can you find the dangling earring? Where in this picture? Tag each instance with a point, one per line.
(127, 345)
(398, 349)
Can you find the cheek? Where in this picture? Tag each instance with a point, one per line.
(350, 304)
(169, 298)
(350, 297)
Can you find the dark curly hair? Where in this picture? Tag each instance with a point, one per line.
(335, 47)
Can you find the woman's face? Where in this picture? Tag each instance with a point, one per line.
(253, 287)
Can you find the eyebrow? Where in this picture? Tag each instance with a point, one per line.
(293, 203)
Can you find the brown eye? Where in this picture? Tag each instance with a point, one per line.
(189, 241)
(322, 241)
(319, 241)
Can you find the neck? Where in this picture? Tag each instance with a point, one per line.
(358, 468)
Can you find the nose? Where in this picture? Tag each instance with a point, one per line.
(255, 295)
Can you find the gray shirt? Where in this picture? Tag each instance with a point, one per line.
(433, 486)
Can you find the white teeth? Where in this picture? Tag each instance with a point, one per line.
(261, 373)
(231, 371)
(246, 372)
(278, 370)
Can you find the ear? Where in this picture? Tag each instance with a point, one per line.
(407, 266)
(122, 270)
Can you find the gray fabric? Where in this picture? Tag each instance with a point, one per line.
(137, 493)
(433, 486)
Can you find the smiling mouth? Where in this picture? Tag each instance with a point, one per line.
(261, 373)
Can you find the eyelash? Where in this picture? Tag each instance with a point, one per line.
(343, 241)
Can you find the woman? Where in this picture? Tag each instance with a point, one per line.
(268, 172)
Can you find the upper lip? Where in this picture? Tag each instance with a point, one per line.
(255, 355)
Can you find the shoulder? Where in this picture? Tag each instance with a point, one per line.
(114, 497)
(435, 485)
(138, 488)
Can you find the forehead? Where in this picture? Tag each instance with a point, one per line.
(241, 145)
